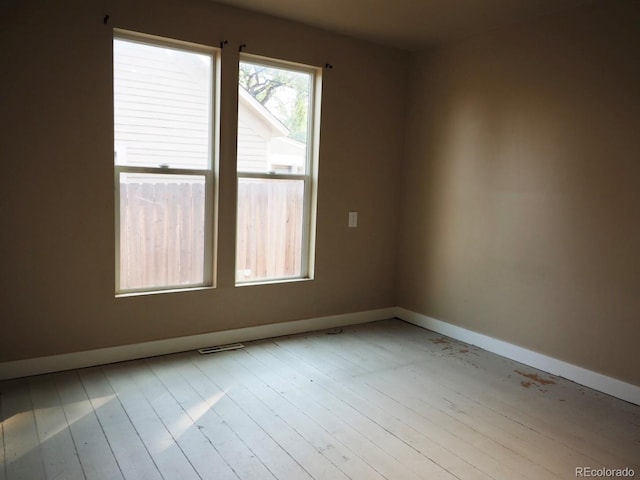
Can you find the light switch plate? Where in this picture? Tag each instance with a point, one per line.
(353, 219)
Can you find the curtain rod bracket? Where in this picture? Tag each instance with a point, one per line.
(242, 47)
(105, 20)
(223, 43)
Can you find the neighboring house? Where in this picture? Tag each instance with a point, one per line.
(263, 141)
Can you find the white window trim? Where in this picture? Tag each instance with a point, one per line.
(210, 173)
(310, 177)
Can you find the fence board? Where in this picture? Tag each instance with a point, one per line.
(269, 229)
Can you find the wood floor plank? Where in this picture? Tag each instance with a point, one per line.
(208, 410)
(333, 410)
(56, 444)
(504, 452)
(351, 410)
(22, 450)
(310, 459)
(271, 429)
(402, 426)
(439, 437)
(129, 451)
(507, 455)
(479, 446)
(316, 434)
(93, 448)
(519, 408)
(479, 379)
(363, 438)
(165, 451)
(501, 375)
(527, 448)
(302, 453)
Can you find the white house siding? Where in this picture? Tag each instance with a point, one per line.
(162, 107)
(252, 147)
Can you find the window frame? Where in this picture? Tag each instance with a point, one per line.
(310, 176)
(210, 173)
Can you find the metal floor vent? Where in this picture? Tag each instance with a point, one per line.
(220, 348)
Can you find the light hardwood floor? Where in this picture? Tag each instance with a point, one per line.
(384, 400)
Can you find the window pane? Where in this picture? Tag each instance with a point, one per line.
(161, 230)
(273, 119)
(269, 237)
(162, 106)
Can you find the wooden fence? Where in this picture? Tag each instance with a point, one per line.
(269, 230)
(162, 232)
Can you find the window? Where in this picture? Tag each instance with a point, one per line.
(278, 112)
(164, 177)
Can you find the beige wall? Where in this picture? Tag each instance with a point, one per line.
(521, 193)
(56, 200)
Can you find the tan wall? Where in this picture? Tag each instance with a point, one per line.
(521, 193)
(56, 200)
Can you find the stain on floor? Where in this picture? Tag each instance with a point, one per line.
(536, 378)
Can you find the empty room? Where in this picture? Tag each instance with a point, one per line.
(320, 240)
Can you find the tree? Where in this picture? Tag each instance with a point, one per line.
(285, 93)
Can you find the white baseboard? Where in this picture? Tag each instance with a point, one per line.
(68, 361)
(588, 378)
(90, 358)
